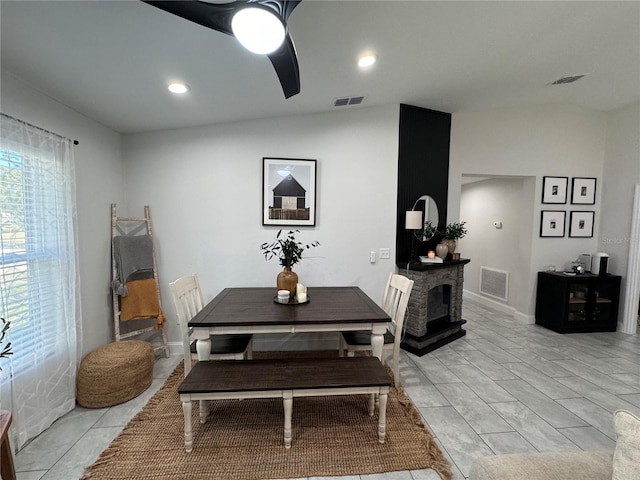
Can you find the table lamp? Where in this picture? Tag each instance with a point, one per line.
(413, 221)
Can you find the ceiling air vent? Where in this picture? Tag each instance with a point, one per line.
(343, 101)
(567, 79)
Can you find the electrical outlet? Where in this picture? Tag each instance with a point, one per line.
(372, 256)
(385, 253)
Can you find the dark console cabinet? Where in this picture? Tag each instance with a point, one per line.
(578, 303)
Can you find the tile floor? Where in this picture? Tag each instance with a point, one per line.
(504, 387)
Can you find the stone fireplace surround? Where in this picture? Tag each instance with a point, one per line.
(423, 332)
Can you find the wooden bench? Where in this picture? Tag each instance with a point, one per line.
(285, 378)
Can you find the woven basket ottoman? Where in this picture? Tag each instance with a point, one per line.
(114, 373)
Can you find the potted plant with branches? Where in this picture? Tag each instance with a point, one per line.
(5, 351)
(452, 232)
(288, 251)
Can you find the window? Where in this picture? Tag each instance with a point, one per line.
(37, 276)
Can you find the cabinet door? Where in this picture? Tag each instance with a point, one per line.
(604, 302)
(579, 295)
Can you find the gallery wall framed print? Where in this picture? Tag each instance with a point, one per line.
(583, 191)
(554, 189)
(552, 223)
(581, 224)
(288, 191)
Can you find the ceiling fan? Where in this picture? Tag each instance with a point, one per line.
(226, 17)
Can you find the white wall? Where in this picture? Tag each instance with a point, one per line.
(99, 174)
(556, 140)
(621, 174)
(204, 187)
(508, 200)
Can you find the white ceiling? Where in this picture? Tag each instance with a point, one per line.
(111, 60)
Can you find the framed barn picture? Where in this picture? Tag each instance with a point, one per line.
(288, 192)
(552, 223)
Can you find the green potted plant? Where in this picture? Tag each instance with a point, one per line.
(5, 351)
(288, 251)
(451, 233)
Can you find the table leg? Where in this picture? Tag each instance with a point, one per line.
(287, 401)
(204, 410)
(382, 417)
(188, 432)
(377, 344)
(203, 347)
(372, 404)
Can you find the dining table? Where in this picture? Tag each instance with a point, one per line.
(257, 310)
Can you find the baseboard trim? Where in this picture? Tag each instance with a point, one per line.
(519, 317)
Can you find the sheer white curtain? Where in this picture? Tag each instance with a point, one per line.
(38, 276)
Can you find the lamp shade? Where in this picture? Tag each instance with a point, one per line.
(413, 220)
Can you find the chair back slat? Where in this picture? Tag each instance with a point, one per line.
(187, 299)
(396, 299)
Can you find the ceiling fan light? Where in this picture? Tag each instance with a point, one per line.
(258, 30)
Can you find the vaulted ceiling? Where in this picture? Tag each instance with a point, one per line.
(111, 60)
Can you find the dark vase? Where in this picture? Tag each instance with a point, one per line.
(287, 280)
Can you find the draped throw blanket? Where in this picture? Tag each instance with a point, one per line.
(142, 302)
(134, 260)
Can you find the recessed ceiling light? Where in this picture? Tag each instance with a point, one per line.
(367, 59)
(178, 87)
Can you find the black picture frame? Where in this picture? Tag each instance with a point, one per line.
(554, 190)
(581, 224)
(288, 191)
(552, 223)
(583, 191)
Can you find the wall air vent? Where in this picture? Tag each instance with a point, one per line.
(568, 79)
(494, 283)
(344, 101)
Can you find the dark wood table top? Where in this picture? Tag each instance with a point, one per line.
(285, 374)
(255, 306)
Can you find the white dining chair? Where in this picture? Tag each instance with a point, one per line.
(396, 298)
(187, 298)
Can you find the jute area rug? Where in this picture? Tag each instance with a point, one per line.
(243, 440)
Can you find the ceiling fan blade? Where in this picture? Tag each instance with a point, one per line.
(217, 16)
(285, 62)
(212, 15)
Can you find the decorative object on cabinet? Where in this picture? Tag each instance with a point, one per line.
(578, 303)
(552, 223)
(581, 224)
(554, 189)
(583, 191)
(288, 191)
(288, 250)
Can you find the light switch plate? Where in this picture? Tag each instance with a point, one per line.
(385, 253)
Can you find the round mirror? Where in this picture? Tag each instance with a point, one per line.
(430, 218)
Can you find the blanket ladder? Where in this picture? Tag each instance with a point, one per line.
(125, 329)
